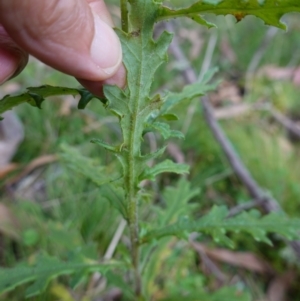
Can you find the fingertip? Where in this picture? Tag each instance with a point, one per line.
(106, 51)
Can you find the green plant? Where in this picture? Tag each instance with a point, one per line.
(140, 112)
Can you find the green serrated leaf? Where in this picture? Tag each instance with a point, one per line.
(189, 92)
(36, 95)
(216, 224)
(44, 269)
(270, 11)
(165, 166)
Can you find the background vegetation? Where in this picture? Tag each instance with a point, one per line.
(50, 208)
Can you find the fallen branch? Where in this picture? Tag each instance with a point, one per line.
(245, 260)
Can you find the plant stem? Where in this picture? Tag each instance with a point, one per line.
(130, 174)
(131, 179)
(132, 209)
(124, 15)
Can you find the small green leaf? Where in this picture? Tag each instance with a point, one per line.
(154, 155)
(30, 237)
(165, 166)
(169, 117)
(114, 149)
(164, 129)
(201, 21)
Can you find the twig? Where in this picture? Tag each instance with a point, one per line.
(34, 164)
(236, 163)
(95, 282)
(291, 126)
(233, 111)
(209, 264)
(242, 207)
(114, 242)
(175, 152)
(266, 202)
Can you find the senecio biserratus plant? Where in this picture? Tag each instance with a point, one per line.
(138, 112)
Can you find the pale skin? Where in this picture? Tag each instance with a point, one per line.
(72, 36)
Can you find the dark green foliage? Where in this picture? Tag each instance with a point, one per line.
(217, 224)
(46, 268)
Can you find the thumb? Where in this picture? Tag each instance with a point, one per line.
(73, 36)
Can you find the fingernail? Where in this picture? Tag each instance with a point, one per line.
(106, 50)
(8, 69)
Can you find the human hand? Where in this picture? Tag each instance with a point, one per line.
(72, 36)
